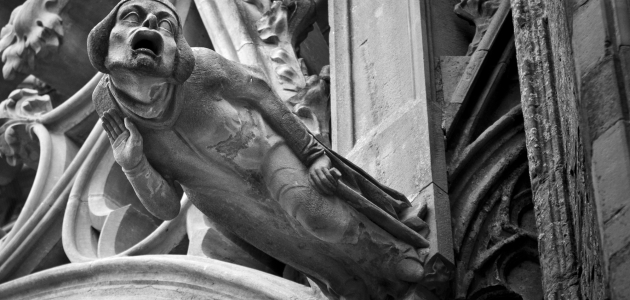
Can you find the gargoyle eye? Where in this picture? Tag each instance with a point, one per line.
(166, 25)
(132, 17)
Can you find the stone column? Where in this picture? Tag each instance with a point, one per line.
(568, 241)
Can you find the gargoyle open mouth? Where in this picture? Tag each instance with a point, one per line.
(147, 42)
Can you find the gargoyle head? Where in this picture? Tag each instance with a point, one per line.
(143, 37)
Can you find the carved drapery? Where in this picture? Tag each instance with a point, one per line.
(384, 115)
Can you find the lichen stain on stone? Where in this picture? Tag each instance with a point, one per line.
(239, 140)
(230, 147)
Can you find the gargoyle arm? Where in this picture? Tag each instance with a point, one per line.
(246, 83)
(283, 121)
(157, 194)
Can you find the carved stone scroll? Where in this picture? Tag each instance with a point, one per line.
(38, 225)
(104, 218)
(26, 141)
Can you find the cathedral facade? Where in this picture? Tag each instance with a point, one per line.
(454, 149)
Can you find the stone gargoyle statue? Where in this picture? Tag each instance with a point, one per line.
(181, 115)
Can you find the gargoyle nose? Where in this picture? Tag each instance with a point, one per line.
(150, 22)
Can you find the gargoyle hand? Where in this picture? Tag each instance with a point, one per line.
(323, 177)
(125, 139)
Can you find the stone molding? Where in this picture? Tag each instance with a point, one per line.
(479, 13)
(151, 276)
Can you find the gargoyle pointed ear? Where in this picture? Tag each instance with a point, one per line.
(185, 59)
(98, 39)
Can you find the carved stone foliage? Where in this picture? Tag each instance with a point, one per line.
(494, 228)
(283, 25)
(285, 20)
(18, 143)
(479, 13)
(35, 29)
(280, 26)
(264, 33)
(46, 38)
(312, 105)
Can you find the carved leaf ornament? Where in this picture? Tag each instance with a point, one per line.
(18, 143)
(35, 29)
(311, 104)
(273, 28)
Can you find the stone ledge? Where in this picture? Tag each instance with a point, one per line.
(154, 276)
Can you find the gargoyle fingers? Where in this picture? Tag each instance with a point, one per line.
(118, 119)
(107, 118)
(108, 129)
(326, 186)
(330, 177)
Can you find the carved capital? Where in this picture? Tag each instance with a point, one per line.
(34, 30)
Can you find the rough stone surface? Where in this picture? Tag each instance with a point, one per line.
(569, 242)
(589, 34)
(379, 152)
(385, 114)
(600, 97)
(451, 34)
(451, 70)
(611, 174)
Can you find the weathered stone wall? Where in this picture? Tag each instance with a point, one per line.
(600, 40)
(384, 115)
